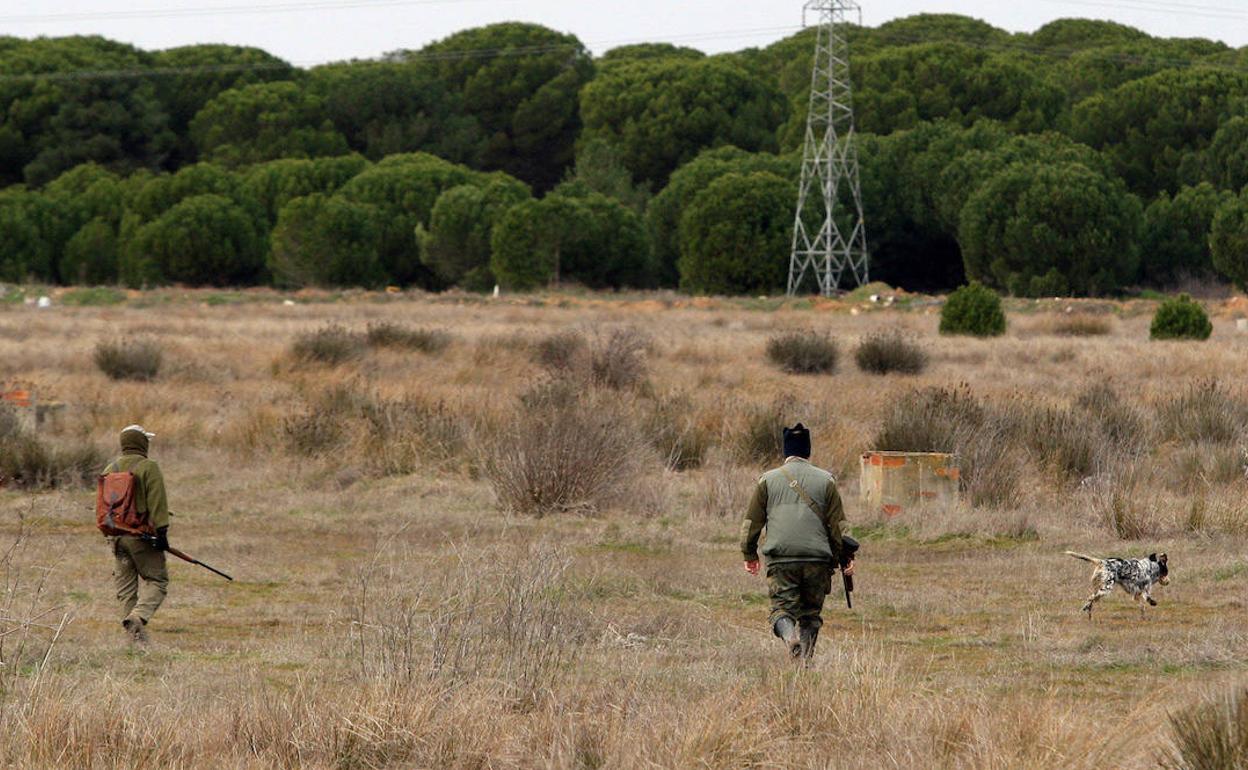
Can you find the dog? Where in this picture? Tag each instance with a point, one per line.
(1136, 576)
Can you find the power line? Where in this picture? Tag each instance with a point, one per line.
(1175, 9)
(452, 55)
(221, 10)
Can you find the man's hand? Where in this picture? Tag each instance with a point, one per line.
(161, 543)
(752, 567)
(848, 569)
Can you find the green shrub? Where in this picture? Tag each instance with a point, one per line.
(890, 351)
(129, 360)
(1181, 318)
(330, 344)
(391, 335)
(974, 310)
(803, 352)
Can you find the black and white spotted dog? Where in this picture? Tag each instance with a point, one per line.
(1136, 576)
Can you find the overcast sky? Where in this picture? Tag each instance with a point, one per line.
(314, 31)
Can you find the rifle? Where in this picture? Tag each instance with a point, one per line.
(849, 547)
(151, 540)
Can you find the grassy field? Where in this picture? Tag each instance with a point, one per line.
(394, 607)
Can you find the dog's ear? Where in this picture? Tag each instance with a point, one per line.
(1152, 557)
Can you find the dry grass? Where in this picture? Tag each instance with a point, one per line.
(391, 609)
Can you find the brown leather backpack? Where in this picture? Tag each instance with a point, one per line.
(116, 505)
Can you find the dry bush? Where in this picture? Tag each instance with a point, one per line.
(803, 352)
(406, 434)
(10, 425)
(1124, 427)
(1218, 511)
(931, 420)
(1061, 439)
(888, 352)
(385, 334)
(993, 466)
(618, 358)
(1206, 412)
(30, 621)
(321, 426)
(28, 462)
(332, 345)
(1197, 466)
(1124, 503)
(671, 424)
(760, 437)
(563, 351)
(481, 620)
(564, 451)
(1211, 735)
(129, 359)
(724, 491)
(1076, 325)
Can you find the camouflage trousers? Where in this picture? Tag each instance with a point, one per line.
(797, 592)
(135, 560)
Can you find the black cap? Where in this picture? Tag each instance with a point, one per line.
(797, 441)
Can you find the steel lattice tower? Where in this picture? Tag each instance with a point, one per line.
(829, 164)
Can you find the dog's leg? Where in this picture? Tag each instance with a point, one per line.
(1102, 585)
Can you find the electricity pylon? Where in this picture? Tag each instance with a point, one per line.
(829, 164)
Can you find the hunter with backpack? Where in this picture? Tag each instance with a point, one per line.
(133, 513)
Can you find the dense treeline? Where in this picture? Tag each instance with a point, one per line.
(1085, 158)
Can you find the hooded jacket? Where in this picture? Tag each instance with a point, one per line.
(150, 496)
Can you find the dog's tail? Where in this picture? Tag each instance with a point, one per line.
(1084, 557)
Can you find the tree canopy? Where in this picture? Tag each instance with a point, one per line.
(1084, 157)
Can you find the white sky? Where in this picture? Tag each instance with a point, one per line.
(314, 31)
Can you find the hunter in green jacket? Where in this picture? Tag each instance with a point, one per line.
(800, 509)
(136, 559)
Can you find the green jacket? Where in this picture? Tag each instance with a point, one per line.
(794, 532)
(151, 497)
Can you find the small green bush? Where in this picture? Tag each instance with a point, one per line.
(129, 360)
(330, 345)
(803, 352)
(890, 351)
(1181, 318)
(973, 310)
(391, 335)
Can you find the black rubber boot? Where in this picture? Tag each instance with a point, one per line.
(786, 629)
(809, 637)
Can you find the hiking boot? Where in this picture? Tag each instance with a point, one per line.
(134, 626)
(786, 629)
(809, 637)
